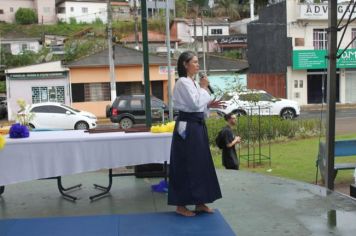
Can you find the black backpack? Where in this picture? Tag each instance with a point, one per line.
(219, 140)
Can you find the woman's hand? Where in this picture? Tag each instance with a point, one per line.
(216, 104)
(204, 82)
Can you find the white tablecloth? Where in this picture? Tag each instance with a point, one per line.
(59, 153)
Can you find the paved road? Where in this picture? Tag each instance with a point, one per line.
(345, 119)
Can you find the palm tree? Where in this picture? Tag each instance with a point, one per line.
(228, 8)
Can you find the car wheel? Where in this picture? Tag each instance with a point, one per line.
(239, 113)
(81, 125)
(288, 113)
(126, 123)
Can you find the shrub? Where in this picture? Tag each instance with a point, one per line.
(25, 16)
(271, 128)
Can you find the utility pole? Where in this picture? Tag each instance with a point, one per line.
(195, 35)
(136, 25)
(168, 43)
(111, 54)
(331, 93)
(146, 69)
(252, 10)
(203, 39)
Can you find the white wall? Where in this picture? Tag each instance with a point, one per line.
(46, 11)
(95, 10)
(22, 89)
(7, 5)
(16, 46)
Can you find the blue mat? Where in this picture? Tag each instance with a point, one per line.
(151, 224)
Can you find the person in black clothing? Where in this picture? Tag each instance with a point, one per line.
(229, 155)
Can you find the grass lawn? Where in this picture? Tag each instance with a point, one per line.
(293, 160)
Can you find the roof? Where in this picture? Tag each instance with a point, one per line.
(123, 56)
(153, 37)
(219, 63)
(54, 66)
(19, 39)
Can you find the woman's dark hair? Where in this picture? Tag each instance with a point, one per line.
(227, 117)
(185, 57)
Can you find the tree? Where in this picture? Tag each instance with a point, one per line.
(228, 8)
(25, 16)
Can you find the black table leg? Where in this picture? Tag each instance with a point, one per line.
(107, 189)
(62, 190)
(165, 166)
(2, 189)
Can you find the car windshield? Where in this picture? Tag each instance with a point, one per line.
(70, 108)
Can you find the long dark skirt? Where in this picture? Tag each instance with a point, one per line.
(192, 176)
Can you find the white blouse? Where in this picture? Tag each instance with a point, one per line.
(189, 97)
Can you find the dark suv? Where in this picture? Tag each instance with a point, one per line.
(128, 110)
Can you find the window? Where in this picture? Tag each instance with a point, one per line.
(122, 104)
(96, 92)
(300, 83)
(46, 10)
(71, 9)
(353, 35)
(11, 9)
(136, 104)
(84, 10)
(157, 103)
(216, 31)
(41, 109)
(48, 94)
(1, 11)
(56, 109)
(320, 39)
(295, 83)
(266, 97)
(24, 47)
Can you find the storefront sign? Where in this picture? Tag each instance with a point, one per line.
(163, 70)
(315, 59)
(320, 11)
(49, 75)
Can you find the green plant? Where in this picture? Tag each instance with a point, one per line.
(270, 128)
(25, 16)
(23, 117)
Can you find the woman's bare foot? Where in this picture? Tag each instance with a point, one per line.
(203, 208)
(182, 210)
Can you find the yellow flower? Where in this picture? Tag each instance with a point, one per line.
(2, 142)
(154, 129)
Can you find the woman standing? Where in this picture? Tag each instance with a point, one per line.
(192, 176)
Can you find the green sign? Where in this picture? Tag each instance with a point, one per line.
(49, 75)
(315, 59)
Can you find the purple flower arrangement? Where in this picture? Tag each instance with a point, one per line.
(19, 131)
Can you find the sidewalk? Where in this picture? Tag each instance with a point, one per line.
(317, 107)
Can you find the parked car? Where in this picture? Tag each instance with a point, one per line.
(128, 110)
(3, 108)
(241, 104)
(52, 115)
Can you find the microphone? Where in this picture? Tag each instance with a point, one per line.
(201, 75)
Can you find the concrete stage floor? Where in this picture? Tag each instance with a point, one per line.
(252, 204)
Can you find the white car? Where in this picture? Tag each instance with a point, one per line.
(256, 102)
(52, 115)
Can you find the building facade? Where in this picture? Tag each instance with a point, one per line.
(17, 46)
(269, 51)
(306, 77)
(287, 48)
(45, 9)
(86, 11)
(46, 82)
(90, 78)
